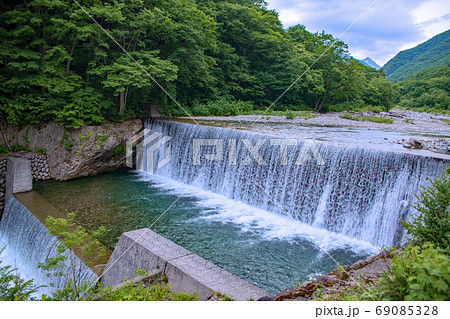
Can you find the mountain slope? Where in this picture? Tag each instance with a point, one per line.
(370, 63)
(432, 53)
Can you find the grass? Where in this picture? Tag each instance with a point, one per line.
(446, 121)
(355, 108)
(426, 110)
(375, 119)
(141, 292)
(290, 115)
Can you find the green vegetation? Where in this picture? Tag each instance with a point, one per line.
(223, 57)
(419, 270)
(100, 139)
(427, 91)
(3, 149)
(20, 148)
(433, 53)
(119, 150)
(417, 273)
(375, 119)
(68, 145)
(432, 223)
(446, 121)
(292, 115)
(224, 106)
(12, 286)
(86, 247)
(83, 140)
(140, 292)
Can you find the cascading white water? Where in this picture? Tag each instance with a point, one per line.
(358, 192)
(28, 242)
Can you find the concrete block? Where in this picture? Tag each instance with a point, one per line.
(18, 176)
(185, 271)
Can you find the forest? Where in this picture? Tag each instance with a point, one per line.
(58, 64)
(428, 90)
(433, 53)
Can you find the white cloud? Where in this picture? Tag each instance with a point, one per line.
(432, 16)
(387, 28)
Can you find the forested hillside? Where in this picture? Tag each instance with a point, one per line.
(428, 89)
(213, 57)
(432, 53)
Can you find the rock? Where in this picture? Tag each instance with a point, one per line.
(326, 278)
(286, 291)
(266, 298)
(84, 158)
(412, 143)
(358, 264)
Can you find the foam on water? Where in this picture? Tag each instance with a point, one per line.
(218, 208)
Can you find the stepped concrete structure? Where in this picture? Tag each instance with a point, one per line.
(185, 271)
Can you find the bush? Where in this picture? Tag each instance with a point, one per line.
(290, 115)
(417, 273)
(3, 149)
(432, 223)
(223, 106)
(140, 292)
(20, 148)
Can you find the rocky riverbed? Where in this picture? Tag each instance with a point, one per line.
(402, 120)
(407, 130)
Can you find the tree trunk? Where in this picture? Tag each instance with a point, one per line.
(121, 102)
(74, 43)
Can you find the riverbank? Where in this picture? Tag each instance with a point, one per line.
(341, 278)
(401, 120)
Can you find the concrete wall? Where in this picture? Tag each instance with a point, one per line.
(18, 177)
(185, 271)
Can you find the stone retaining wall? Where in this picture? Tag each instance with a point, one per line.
(39, 166)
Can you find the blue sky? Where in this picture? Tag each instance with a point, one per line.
(387, 28)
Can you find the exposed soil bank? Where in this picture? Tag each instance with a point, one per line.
(70, 154)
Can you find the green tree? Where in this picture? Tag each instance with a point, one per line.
(124, 75)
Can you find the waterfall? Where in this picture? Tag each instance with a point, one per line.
(28, 242)
(361, 193)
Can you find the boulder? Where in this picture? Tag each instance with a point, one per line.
(412, 143)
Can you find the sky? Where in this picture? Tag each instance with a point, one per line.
(389, 26)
